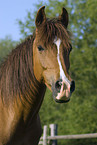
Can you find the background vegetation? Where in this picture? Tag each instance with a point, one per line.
(80, 114)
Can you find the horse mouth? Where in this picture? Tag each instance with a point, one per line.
(62, 92)
(62, 101)
(62, 96)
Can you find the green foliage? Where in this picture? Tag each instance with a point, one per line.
(6, 45)
(84, 22)
(79, 115)
(27, 27)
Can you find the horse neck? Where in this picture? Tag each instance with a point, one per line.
(33, 90)
(17, 80)
(38, 99)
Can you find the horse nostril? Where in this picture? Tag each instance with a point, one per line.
(72, 87)
(58, 85)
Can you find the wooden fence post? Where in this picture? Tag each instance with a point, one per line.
(53, 128)
(45, 135)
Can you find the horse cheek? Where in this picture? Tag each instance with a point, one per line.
(37, 69)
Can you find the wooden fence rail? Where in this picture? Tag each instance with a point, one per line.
(53, 136)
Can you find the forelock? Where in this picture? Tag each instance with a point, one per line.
(53, 28)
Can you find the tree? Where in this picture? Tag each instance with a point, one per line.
(6, 45)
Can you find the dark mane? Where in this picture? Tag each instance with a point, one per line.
(54, 28)
(16, 72)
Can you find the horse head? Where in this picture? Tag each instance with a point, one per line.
(51, 49)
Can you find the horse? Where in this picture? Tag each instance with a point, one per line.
(41, 61)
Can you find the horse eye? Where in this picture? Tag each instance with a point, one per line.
(40, 48)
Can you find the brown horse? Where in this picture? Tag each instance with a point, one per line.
(41, 60)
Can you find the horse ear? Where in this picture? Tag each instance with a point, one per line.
(64, 17)
(40, 17)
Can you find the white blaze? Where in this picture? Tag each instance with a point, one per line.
(62, 74)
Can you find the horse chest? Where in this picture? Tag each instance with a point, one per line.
(26, 133)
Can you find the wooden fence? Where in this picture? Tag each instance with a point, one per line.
(45, 140)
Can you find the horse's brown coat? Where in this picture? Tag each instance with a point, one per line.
(24, 76)
(19, 106)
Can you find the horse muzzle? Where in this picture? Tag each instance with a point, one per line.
(62, 92)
